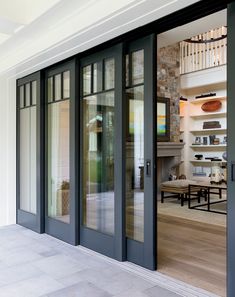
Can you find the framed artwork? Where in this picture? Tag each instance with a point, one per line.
(163, 119)
(135, 114)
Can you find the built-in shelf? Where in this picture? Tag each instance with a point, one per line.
(214, 146)
(208, 115)
(193, 117)
(206, 131)
(205, 99)
(205, 161)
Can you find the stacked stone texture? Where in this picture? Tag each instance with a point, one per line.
(168, 84)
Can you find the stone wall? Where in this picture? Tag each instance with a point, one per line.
(168, 84)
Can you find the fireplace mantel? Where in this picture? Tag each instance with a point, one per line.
(169, 149)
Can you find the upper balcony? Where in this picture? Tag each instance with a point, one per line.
(204, 51)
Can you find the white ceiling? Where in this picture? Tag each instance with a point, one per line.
(189, 30)
(15, 15)
(56, 29)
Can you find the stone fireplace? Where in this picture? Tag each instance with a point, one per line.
(168, 85)
(168, 157)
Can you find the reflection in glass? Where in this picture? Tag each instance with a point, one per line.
(50, 89)
(98, 162)
(135, 164)
(58, 161)
(27, 94)
(109, 73)
(57, 87)
(28, 159)
(21, 96)
(34, 92)
(138, 67)
(97, 77)
(87, 80)
(66, 84)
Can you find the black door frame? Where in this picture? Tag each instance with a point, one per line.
(64, 231)
(231, 152)
(24, 218)
(110, 245)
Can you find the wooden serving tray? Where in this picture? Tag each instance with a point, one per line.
(211, 106)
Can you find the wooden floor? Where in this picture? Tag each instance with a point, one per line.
(193, 252)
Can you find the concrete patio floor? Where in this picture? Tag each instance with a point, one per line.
(33, 265)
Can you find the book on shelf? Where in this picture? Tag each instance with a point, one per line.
(211, 125)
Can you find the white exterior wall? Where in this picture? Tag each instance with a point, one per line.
(53, 37)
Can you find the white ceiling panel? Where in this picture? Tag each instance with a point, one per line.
(7, 26)
(3, 37)
(53, 33)
(24, 11)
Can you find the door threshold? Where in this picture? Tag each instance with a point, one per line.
(155, 277)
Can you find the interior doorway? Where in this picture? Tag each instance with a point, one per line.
(191, 152)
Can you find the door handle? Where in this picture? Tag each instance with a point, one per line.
(233, 171)
(148, 168)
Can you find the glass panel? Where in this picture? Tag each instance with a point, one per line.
(58, 161)
(34, 92)
(97, 77)
(21, 96)
(28, 159)
(33, 159)
(50, 89)
(109, 74)
(98, 162)
(138, 67)
(66, 84)
(27, 94)
(57, 87)
(87, 80)
(135, 164)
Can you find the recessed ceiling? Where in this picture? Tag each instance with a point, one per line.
(15, 15)
(213, 21)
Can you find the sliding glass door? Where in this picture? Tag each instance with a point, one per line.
(140, 153)
(101, 194)
(60, 158)
(98, 152)
(117, 158)
(29, 153)
(231, 152)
